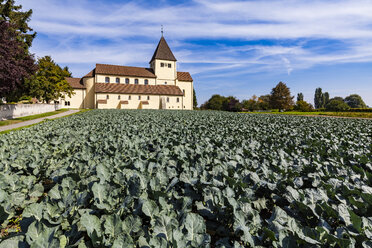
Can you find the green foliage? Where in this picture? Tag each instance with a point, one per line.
(303, 106)
(300, 97)
(49, 83)
(194, 101)
(355, 101)
(217, 102)
(319, 98)
(122, 178)
(335, 104)
(18, 19)
(280, 97)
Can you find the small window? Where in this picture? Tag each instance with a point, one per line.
(148, 97)
(107, 97)
(129, 97)
(146, 82)
(167, 99)
(107, 79)
(169, 65)
(118, 97)
(165, 82)
(161, 64)
(183, 92)
(65, 103)
(178, 99)
(118, 80)
(127, 80)
(136, 81)
(68, 103)
(139, 97)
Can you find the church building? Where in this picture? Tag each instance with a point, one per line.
(126, 87)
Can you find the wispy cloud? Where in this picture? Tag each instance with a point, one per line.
(211, 38)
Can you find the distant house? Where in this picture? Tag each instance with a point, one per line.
(125, 87)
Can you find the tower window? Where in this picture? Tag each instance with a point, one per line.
(127, 80)
(118, 80)
(161, 64)
(107, 79)
(169, 65)
(136, 81)
(146, 81)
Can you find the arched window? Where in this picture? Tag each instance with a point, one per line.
(146, 82)
(107, 97)
(139, 97)
(148, 97)
(118, 97)
(167, 99)
(118, 80)
(178, 99)
(107, 79)
(165, 82)
(127, 80)
(129, 97)
(136, 81)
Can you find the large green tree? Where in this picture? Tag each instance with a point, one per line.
(49, 82)
(280, 97)
(355, 101)
(18, 19)
(16, 63)
(231, 104)
(214, 103)
(264, 102)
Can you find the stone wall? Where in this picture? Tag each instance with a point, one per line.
(10, 111)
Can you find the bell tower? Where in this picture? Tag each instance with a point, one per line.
(164, 63)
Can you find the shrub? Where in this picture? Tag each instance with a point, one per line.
(303, 106)
(337, 105)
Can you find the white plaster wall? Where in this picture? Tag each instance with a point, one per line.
(188, 98)
(10, 111)
(165, 73)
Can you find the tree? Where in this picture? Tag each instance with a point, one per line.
(335, 104)
(49, 82)
(300, 97)
(214, 103)
(231, 104)
(18, 20)
(326, 98)
(264, 102)
(280, 97)
(251, 104)
(318, 98)
(16, 64)
(355, 101)
(194, 102)
(303, 106)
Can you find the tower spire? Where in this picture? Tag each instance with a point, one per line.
(162, 31)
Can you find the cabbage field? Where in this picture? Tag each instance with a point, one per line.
(121, 178)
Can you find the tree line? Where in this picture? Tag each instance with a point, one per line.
(22, 77)
(280, 98)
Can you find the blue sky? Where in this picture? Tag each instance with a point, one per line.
(238, 48)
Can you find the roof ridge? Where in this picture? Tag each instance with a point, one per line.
(124, 66)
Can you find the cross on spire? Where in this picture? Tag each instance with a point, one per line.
(162, 31)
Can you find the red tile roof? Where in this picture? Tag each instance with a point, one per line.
(76, 83)
(90, 74)
(163, 51)
(184, 76)
(102, 101)
(119, 70)
(140, 89)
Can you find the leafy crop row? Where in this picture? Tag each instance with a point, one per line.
(119, 178)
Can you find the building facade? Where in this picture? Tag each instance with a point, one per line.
(126, 87)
